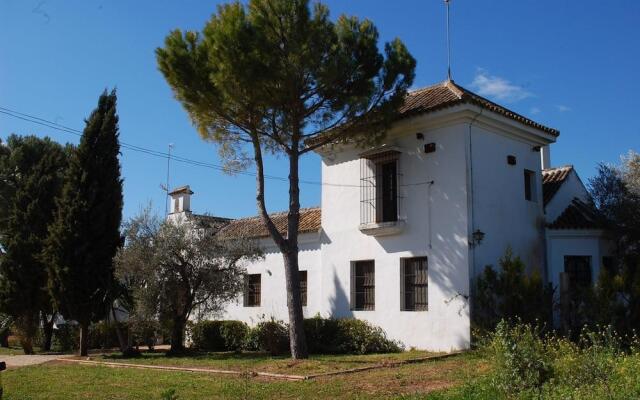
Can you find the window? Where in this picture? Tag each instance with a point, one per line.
(414, 290)
(303, 287)
(578, 271)
(387, 204)
(252, 290)
(529, 185)
(363, 285)
(379, 174)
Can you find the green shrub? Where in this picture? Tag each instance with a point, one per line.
(511, 294)
(356, 336)
(219, 335)
(520, 359)
(270, 336)
(347, 336)
(234, 334)
(205, 335)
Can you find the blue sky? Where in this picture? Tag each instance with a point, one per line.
(572, 65)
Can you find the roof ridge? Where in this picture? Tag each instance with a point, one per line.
(550, 169)
(278, 213)
(425, 88)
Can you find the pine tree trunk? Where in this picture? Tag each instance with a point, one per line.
(84, 339)
(47, 327)
(297, 340)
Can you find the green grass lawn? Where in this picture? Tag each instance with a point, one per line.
(316, 364)
(72, 381)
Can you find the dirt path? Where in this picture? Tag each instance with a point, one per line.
(24, 360)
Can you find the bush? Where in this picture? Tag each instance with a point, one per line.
(205, 335)
(520, 358)
(347, 336)
(511, 294)
(219, 335)
(269, 336)
(66, 337)
(234, 334)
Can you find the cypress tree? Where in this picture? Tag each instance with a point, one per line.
(32, 176)
(85, 235)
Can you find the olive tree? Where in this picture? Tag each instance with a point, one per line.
(177, 267)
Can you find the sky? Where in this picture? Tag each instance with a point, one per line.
(571, 65)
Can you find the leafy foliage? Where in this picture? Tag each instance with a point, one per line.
(32, 177)
(176, 268)
(85, 234)
(511, 293)
(219, 335)
(615, 193)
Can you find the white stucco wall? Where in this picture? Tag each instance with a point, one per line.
(500, 209)
(445, 326)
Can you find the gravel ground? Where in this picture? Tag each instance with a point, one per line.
(24, 360)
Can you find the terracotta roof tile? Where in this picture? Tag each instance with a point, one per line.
(577, 215)
(253, 227)
(448, 93)
(552, 179)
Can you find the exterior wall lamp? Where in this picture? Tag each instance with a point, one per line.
(477, 236)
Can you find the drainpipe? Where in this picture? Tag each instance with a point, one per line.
(471, 216)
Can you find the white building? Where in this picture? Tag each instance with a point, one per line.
(403, 228)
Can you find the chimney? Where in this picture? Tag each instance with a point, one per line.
(180, 200)
(545, 157)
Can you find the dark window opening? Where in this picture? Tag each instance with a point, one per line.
(363, 286)
(252, 290)
(578, 271)
(388, 204)
(303, 287)
(379, 185)
(415, 284)
(529, 182)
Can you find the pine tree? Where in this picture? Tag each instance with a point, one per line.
(278, 76)
(85, 235)
(32, 176)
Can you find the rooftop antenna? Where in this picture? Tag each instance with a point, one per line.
(447, 3)
(166, 187)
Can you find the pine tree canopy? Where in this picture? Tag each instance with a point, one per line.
(284, 73)
(85, 235)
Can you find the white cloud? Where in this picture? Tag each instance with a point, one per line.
(535, 111)
(498, 88)
(563, 108)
